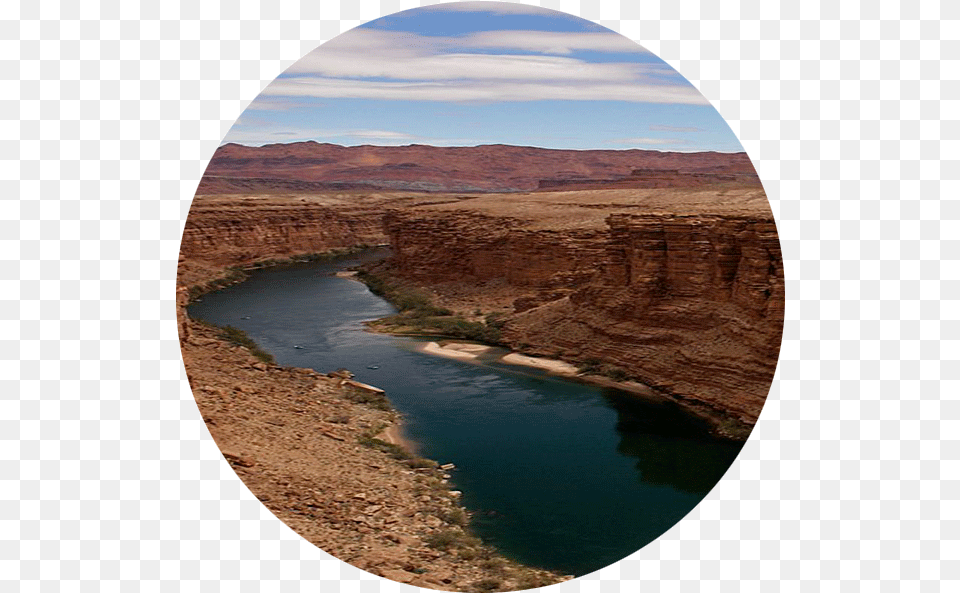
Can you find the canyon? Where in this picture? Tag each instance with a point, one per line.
(662, 269)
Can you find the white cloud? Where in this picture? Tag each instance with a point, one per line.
(264, 104)
(258, 135)
(648, 141)
(484, 91)
(458, 66)
(415, 67)
(664, 128)
(545, 42)
(380, 134)
(550, 42)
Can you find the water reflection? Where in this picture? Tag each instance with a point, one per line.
(671, 447)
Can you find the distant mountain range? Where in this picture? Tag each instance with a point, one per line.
(311, 166)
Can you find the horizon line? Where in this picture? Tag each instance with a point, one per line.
(417, 144)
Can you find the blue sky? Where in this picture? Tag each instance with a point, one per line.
(484, 73)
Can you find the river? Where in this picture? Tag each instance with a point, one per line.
(558, 474)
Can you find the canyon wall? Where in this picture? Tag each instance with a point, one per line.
(476, 250)
(681, 289)
(227, 232)
(689, 304)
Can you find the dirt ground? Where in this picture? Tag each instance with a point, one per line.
(318, 455)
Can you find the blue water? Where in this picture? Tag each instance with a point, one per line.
(558, 474)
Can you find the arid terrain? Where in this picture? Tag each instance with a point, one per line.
(314, 167)
(318, 454)
(658, 268)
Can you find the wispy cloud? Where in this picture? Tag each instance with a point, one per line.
(664, 128)
(412, 44)
(648, 141)
(550, 42)
(262, 103)
(258, 135)
(483, 91)
(374, 64)
(461, 66)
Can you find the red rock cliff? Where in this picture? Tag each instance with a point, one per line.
(243, 230)
(691, 304)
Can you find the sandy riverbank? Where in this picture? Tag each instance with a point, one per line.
(720, 425)
(557, 367)
(461, 350)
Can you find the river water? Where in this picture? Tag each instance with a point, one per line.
(558, 474)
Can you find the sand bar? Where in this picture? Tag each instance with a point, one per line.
(456, 349)
(554, 366)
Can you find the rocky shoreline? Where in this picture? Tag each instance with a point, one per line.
(328, 459)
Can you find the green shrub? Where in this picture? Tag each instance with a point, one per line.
(468, 553)
(616, 373)
(240, 338)
(377, 401)
(488, 585)
(419, 313)
(395, 451)
(419, 462)
(590, 366)
(533, 581)
(593, 366)
(455, 516)
(444, 540)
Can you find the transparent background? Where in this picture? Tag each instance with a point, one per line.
(109, 479)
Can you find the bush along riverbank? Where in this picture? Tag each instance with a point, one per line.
(417, 315)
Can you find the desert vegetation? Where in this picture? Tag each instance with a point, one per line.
(417, 314)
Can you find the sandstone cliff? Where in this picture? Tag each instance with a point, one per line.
(229, 231)
(692, 306)
(682, 291)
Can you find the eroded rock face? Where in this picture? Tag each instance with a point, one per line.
(433, 247)
(690, 304)
(234, 231)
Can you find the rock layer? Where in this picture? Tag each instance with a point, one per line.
(688, 303)
(310, 166)
(692, 306)
(229, 231)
